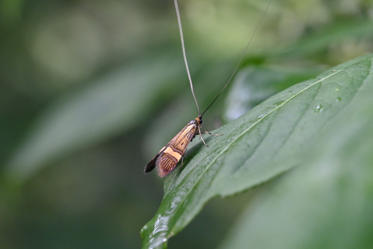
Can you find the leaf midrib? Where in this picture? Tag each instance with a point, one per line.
(253, 125)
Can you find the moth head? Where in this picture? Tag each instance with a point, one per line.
(198, 119)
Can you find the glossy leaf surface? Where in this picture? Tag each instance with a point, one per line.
(258, 146)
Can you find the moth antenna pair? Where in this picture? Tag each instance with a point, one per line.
(236, 68)
(170, 155)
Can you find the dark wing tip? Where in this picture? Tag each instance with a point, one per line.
(151, 165)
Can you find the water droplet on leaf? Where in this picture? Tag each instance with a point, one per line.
(318, 108)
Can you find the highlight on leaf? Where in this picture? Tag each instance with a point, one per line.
(257, 147)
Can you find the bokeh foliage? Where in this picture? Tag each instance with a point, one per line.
(92, 89)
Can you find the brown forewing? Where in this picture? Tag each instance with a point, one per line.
(169, 156)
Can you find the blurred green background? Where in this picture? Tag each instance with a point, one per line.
(91, 90)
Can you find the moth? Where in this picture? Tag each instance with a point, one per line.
(170, 155)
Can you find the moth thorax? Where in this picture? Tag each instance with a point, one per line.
(198, 119)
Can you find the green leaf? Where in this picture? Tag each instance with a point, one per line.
(326, 203)
(335, 33)
(109, 106)
(249, 149)
(256, 83)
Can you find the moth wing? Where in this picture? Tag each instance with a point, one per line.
(166, 163)
(183, 138)
(175, 150)
(153, 163)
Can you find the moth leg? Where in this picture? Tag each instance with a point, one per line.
(200, 135)
(212, 134)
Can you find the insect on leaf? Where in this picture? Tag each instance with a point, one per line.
(250, 148)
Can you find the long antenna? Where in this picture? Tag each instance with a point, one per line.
(243, 54)
(184, 53)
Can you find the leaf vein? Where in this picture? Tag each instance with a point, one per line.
(253, 125)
